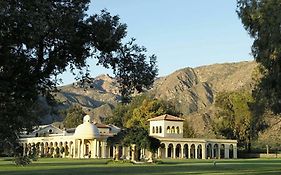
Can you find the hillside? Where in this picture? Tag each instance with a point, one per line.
(191, 90)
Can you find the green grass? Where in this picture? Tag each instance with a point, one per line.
(54, 166)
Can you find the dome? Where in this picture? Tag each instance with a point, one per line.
(87, 129)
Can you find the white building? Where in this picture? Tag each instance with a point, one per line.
(89, 140)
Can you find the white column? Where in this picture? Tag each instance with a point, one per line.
(226, 151)
(174, 151)
(212, 151)
(116, 155)
(235, 151)
(166, 151)
(83, 148)
(182, 151)
(189, 151)
(128, 153)
(79, 149)
(203, 151)
(40, 149)
(196, 152)
(95, 148)
(133, 151)
(159, 153)
(219, 151)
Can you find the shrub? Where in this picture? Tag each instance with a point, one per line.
(22, 160)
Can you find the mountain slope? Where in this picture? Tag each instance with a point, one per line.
(191, 90)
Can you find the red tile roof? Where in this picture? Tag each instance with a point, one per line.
(166, 117)
(100, 125)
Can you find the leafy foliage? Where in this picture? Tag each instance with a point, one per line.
(188, 131)
(262, 19)
(235, 117)
(138, 111)
(74, 117)
(22, 160)
(128, 136)
(40, 39)
(129, 76)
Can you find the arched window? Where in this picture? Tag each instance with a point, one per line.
(160, 129)
(173, 129)
(153, 129)
(177, 130)
(168, 129)
(156, 129)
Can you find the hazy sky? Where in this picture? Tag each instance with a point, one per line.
(181, 33)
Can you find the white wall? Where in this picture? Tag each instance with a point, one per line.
(164, 125)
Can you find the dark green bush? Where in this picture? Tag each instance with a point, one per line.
(22, 160)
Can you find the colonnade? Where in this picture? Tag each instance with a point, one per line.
(76, 148)
(197, 150)
(94, 148)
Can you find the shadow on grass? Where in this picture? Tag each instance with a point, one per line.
(82, 167)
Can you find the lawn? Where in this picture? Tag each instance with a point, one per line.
(99, 167)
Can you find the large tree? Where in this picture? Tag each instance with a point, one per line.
(74, 116)
(40, 39)
(139, 110)
(141, 140)
(236, 118)
(262, 20)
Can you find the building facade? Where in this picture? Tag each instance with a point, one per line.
(89, 140)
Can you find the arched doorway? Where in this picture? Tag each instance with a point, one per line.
(199, 151)
(231, 151)
(216, 151)
(170, 150)
(162, 151)
(186, 151)
(111, 151)
(222, 151)
(192, 151)
(209, 151)
(178, 151)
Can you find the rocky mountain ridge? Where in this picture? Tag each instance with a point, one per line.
(191, 90)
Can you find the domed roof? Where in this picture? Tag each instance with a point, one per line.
(87, 129)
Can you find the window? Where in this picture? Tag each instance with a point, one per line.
(160, 129)
(177, 130)
(50, 131)
(156, 129)
(153, 129)
(168, 129)
(173, 129)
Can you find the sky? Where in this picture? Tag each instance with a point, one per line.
(181, 33)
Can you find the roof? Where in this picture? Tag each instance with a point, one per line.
(87, 129)
(100, 125)
(166, 117)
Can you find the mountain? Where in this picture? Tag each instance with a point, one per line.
(191, 90)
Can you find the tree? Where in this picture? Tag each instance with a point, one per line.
(74, 116)
(188, 130)
(235, 119)
(138, 111)
(262, 20)
(129, 76)
(142, 140)
(40, 39)
(149, 108)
